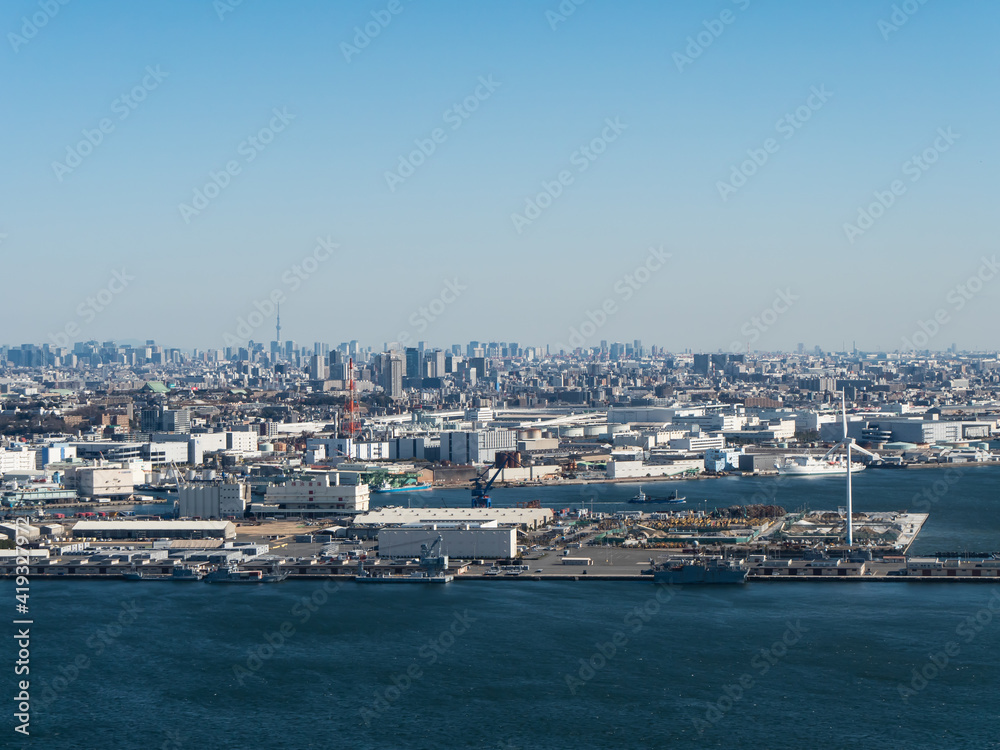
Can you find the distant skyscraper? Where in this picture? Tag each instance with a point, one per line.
(413, 362)
(436, 359)
(317, 367)
(392, 375)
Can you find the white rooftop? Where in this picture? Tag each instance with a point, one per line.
(503, 516)
(153, 525)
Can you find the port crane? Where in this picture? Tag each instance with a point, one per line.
(481, 487)
(431, 558)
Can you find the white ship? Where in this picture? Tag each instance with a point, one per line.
(804, 464)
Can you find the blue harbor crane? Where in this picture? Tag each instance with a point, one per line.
(481, 488)
(480, 485)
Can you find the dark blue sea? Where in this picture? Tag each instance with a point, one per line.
(519, 664)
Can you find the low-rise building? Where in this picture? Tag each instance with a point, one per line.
(214, 500)
(155, 529)
(321, 497)
(94, 481)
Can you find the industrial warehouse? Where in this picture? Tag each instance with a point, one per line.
(527, 519)
(155, 530)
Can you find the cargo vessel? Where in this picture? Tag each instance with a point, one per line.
(700, 570)
(180, 573)
(806, 465)
(235, 574)
(415, 577)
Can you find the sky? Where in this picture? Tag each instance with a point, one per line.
(730, 175)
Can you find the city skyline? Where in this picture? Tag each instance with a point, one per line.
(615, 347)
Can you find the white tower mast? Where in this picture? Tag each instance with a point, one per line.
(850, 509)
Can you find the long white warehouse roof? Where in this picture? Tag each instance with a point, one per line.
(392, 516)
(154, 525)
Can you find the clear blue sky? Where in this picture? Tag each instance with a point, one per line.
(687, 123)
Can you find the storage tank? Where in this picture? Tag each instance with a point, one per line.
(614, 429)
(191, 475)
(595, 430)
(266, 448)
(571, 431)
(209, 474)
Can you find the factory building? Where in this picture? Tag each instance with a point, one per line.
(315, 498)
(155, 529)
(476, 446)
(460, 541)
(103, 482)
(918, 431)
(13, 531)
(721, 459)
(408, 448)
(348, 448)
(165, 453)
(698, 443)
(108, 451)
(20, 460)
(200, 444)
(58, 452)
(242, 441)
(640, 414)
(639, 469)
(215, 500)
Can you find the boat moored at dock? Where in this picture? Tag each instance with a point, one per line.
(415, 577)
(179, 573)
(236, 574)
(684, 570)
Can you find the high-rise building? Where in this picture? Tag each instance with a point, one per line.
(412, 362)
(436, 360)
(317, 367)
(392, 374)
